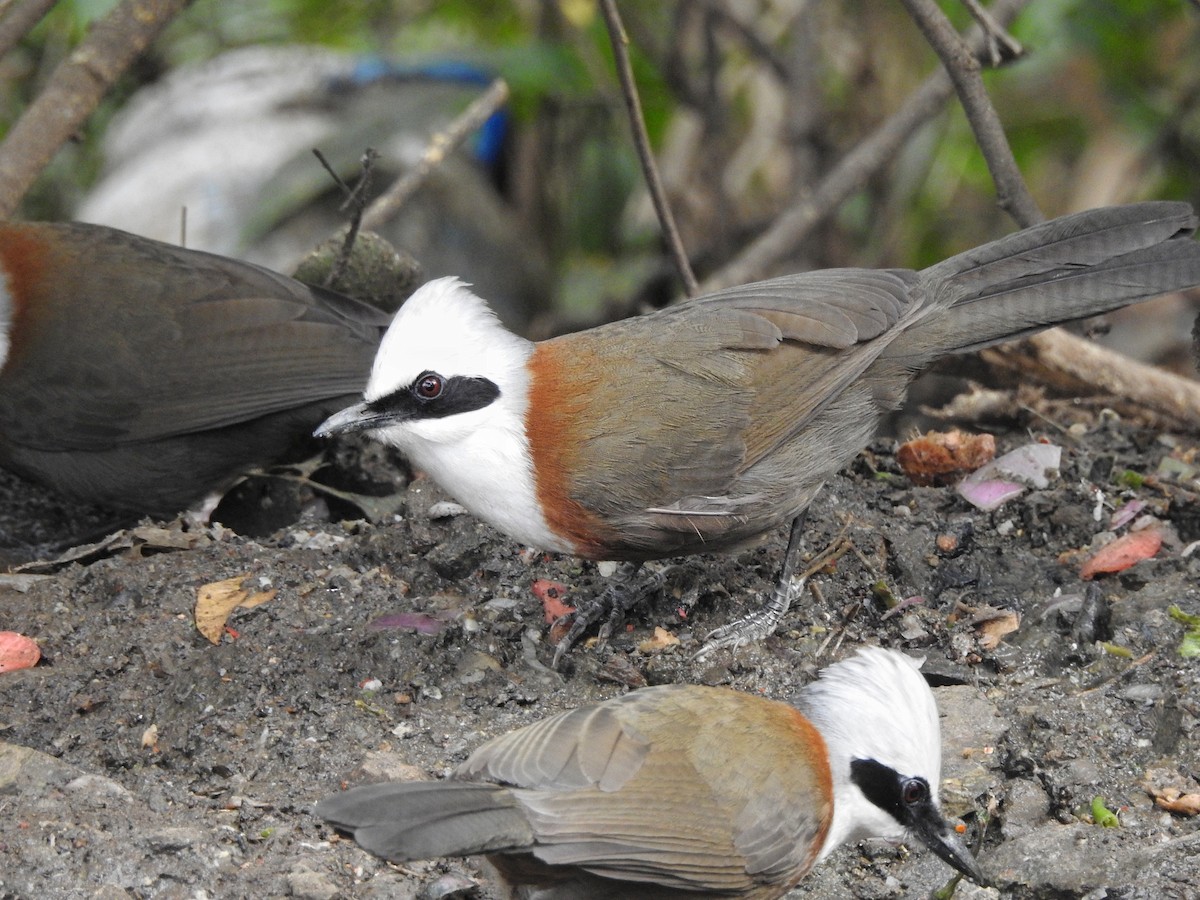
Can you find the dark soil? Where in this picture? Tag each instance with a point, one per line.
(138, 759)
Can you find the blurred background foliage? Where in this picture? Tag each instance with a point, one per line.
(748, 103)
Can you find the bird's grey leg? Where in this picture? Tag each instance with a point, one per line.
(763, 621)
(622, 594)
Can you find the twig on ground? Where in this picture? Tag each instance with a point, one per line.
(633, 105)
(1075, 364)
(441, 144)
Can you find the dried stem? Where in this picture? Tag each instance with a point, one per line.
(963, 67)
(441, 144)
(355, 200)
(852, 172)
(633, 105)
(18, 19)
(1002, 46)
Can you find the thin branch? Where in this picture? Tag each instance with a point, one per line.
(871, 155)
(1011, 191)
(75, 90)
(633, 105)
(441, 144)
(332, 172)
(18, 19)
(356, 200)
(1002, 46)
(750, 37)
(1058, 352)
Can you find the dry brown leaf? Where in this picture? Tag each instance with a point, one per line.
(1172, 791)
(992, 624)
(939, 455)
(661, 640)
(215, 601)
(1174, 801)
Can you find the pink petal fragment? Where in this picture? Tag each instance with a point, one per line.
(987, 494)
(422, 623)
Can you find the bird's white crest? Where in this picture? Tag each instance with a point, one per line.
(481, 457)
(445, 328)
(874, 705)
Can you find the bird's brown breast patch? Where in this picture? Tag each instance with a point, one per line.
(563, 381)
(24, 258)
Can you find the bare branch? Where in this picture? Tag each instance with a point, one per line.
(441, 144)
(633, 105)
(74, 91)
(356, 200)
(18, 19)
(1074, 364)
(1011, 191)
(1002, 46)
(854, 169)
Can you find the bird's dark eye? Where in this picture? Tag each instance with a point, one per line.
(429, 386)
(915, 791)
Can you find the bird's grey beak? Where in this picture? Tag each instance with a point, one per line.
(939, 837)
(359, 417)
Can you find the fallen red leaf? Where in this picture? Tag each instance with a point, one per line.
(17, 651)
(1123, 553)
(551, 593)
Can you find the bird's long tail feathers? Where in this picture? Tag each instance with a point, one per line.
(1068, 268)
(428, 819)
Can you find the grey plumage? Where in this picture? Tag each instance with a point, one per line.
(141, 375)
(765, 390)
(678, 791)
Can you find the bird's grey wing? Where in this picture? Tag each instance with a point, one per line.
(835, 308)
(591, 746)
(734, 376)
(615, 790)
(834, 324)
(228, 342)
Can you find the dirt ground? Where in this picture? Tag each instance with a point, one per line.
(140, 760)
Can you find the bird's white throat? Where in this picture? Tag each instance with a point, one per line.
(481, 457)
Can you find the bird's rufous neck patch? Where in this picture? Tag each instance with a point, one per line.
(23, 259)
(555, 423)
(811, 746)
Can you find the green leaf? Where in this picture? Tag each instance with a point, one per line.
(1102, 815)
(1189, 647)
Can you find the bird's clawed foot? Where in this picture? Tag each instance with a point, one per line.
(758, 624)
(623, 593)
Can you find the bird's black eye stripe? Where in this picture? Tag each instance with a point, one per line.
(889, 790)
(434, 396)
